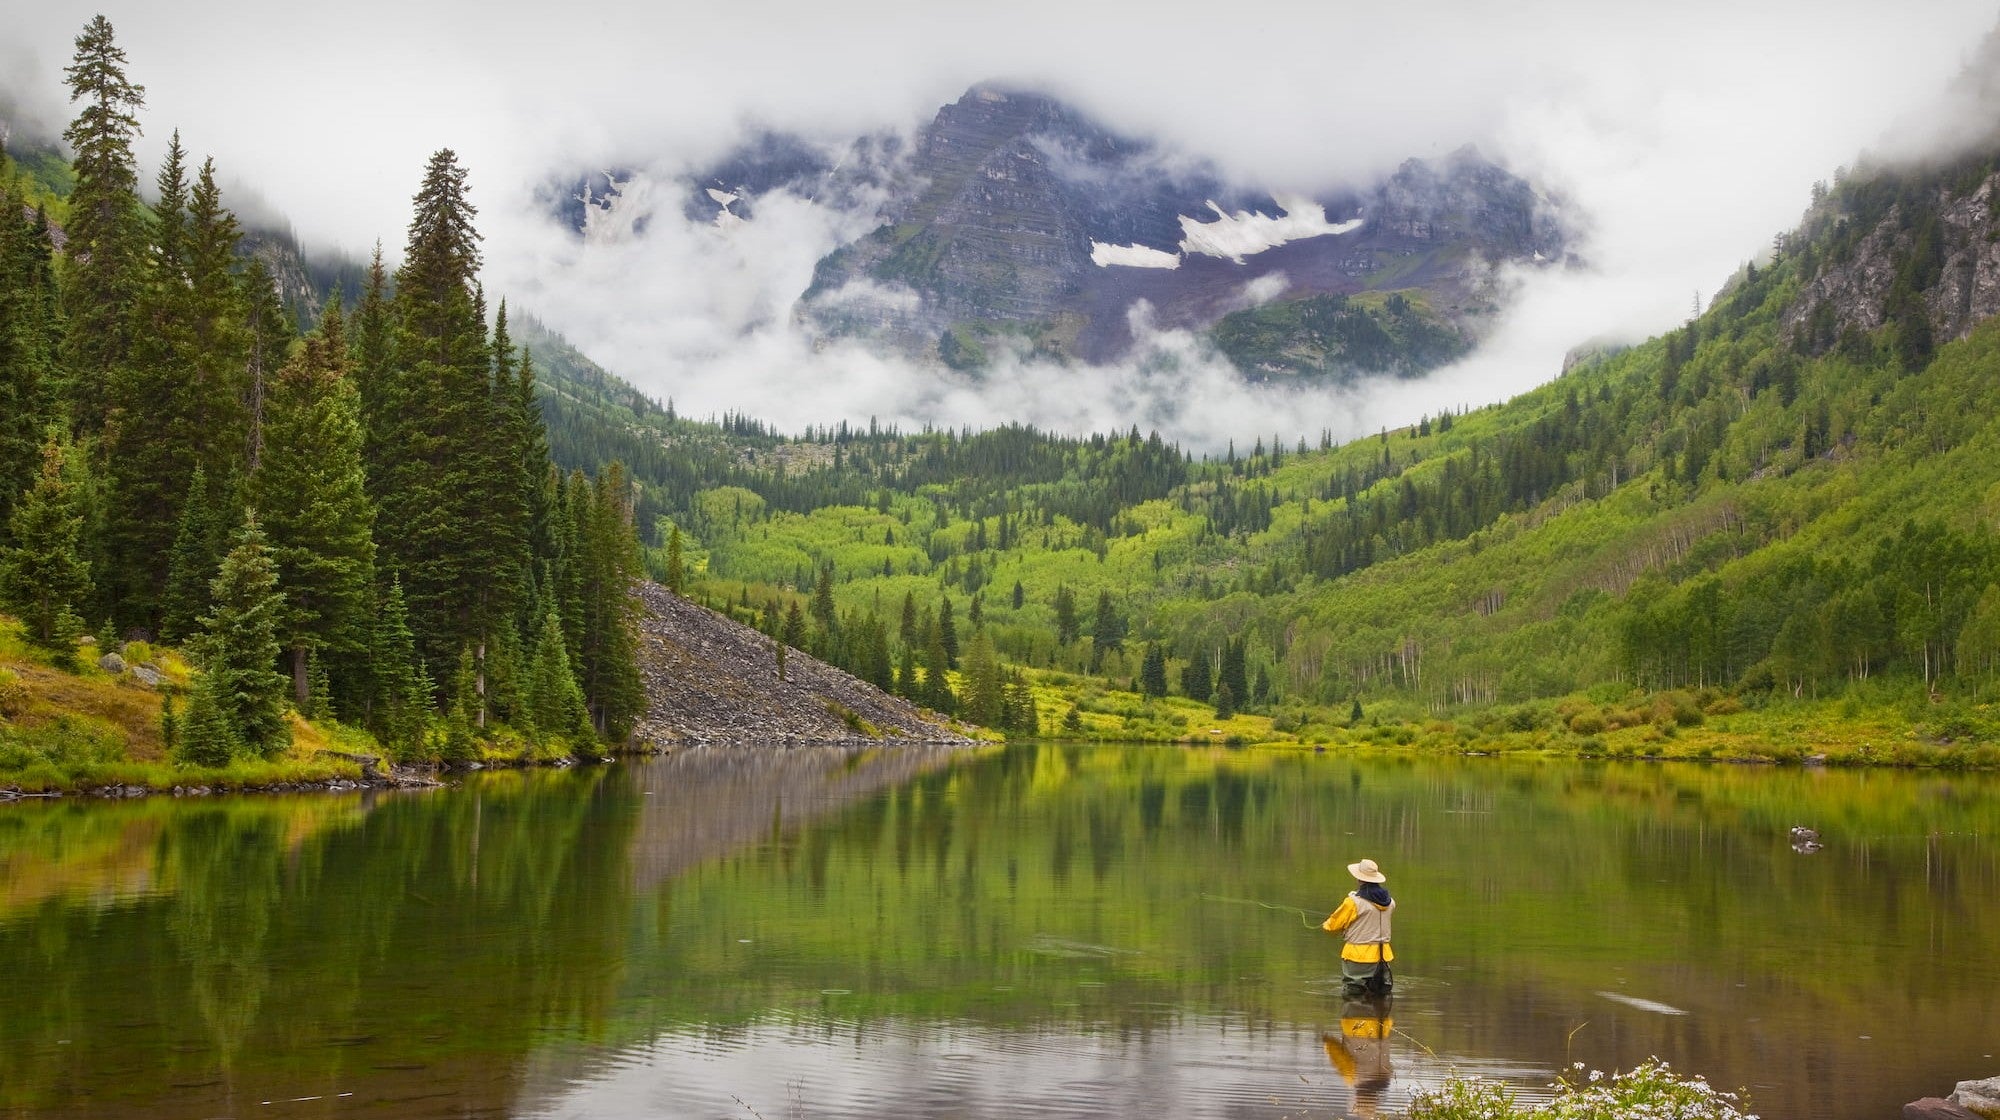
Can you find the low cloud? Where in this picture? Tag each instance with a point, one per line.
(1687, 135)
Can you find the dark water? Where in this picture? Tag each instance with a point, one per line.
(1046, 930)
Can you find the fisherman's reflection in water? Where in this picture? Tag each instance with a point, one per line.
(1360, 1053)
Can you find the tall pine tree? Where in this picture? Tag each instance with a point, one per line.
(309, 490)
(103, 270)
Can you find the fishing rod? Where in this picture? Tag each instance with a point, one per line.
(1305, 916)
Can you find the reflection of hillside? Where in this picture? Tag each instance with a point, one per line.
(706, 802)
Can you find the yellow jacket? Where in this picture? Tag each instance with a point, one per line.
(1367, 927)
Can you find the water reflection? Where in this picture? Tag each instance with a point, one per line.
(1049, 929)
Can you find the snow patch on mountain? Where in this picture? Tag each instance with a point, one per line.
(1247, 233)
(1132, 256)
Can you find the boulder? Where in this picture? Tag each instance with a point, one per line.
(1979, 1097)
(1936, 1108)
(111, 663)
(147, 675)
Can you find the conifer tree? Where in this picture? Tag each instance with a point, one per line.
(238, 644)
(906, 631)
(149, 449)
(983, 683)
(1066, 622)
(1225, 701)
(457, 744)
(223, 307)
(1196, 683)
(676, 571)
(398, 711)
(609, 667)
(1107, 631)
(439, 497)
(793, 633)
(948, 634)
(553, 700)
(205, 737)
(27, 341)
(938, 694)
(199, 541)
(267, 341)
(106, 230)
(43, 576)
(823, 612)
(906, 675)
(1153, 671)
(311, 495)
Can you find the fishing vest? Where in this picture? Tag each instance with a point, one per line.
(1371, 922)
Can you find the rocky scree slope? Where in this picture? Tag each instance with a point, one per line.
(711, 680)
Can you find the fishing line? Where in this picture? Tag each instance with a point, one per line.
(1305, 916)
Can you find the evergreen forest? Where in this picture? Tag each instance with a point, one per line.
(341, 529)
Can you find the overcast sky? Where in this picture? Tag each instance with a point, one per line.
(1687, 133)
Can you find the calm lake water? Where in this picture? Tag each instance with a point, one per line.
(1050, 930)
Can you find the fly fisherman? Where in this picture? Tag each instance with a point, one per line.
(1364, 915)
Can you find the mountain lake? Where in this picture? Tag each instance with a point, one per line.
(1045, 929)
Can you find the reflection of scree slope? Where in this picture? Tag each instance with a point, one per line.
(709, 679)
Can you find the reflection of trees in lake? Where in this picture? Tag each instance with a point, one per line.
(421, 949)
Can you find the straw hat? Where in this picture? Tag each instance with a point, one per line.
(1367, 872)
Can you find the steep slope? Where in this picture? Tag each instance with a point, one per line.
(711, 680)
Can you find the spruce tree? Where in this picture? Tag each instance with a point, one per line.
(823, 611)
(238, 644)
(199, 541)
(27, 341)
(399, 708)
(106, 230)
(310, 492)
(1196, 683)
(213, 407)
(676, 570)
(43, 576)
(150, 446)
(1153, 671)
(1232, 675)
(1066, 622)
(1225, 701)
(948, 634)
(983, 683)
(938, 694)
(205, 736)
(553, 700)
(1107, 631)
(446, 489)
(609, 667)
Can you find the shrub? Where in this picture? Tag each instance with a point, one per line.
(13, 696)
(1586, 723)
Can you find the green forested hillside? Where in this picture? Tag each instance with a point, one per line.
(1790, 499)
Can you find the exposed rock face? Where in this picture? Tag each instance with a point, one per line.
(1854, 292)
(1007, 193)
(711, 680)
